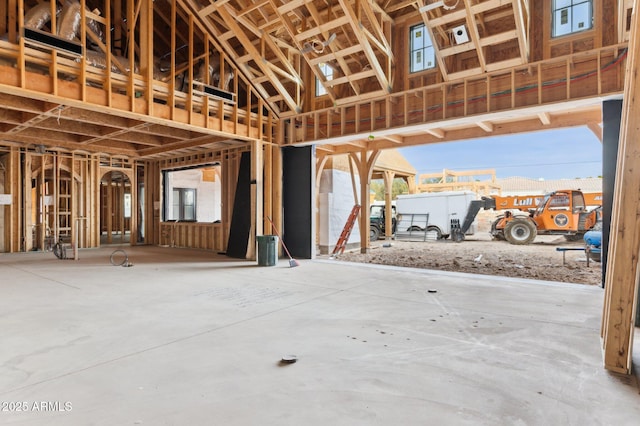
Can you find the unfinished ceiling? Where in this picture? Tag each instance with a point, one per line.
(485, 36)
(271, 40)
(141, 89)
(277, 43)
(39, 125)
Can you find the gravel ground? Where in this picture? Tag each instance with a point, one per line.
(478, 254)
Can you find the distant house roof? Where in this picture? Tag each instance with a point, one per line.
(389, 159)
(518, 185)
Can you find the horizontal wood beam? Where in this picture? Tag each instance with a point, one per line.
(326, 27)
(437, 135)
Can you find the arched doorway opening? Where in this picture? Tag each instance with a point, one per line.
(116, 208)
(56, 198)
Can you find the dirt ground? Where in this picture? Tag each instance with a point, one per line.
(478, 254)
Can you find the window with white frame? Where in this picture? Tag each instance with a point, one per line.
(327, 71)
(571, 16)
(184, 204)
(423, 55)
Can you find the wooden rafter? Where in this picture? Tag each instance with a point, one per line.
(522, 29)
(266, 60)
(335, 48)
(291, 30)
(380, 73)
(442, 22)
(472, 29)
(256, 56)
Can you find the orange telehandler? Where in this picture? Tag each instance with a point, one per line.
(563, 212)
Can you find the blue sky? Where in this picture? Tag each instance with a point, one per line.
(552, 154)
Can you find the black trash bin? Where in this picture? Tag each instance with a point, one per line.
(267, 250)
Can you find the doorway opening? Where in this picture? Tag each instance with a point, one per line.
(116, 208)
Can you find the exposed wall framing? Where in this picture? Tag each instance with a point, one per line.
(266, 198)
(52, 199)
(596, 73)
(150, 85)
(13, 225)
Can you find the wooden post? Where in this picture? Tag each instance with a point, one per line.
(133, 218)
(109, 210)
(96, 210)
(42, 207)
(82, 199)
(411, 183)
(12, 186)
(268, 187)
(388, 188)
(29, 229)
(256, 197)
(621, 279)
(146, 60)
(152, 203)
(55, 191)
(72, 206)
(131, 53)
(365, 163)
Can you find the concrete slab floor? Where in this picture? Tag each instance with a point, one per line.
(187, 337)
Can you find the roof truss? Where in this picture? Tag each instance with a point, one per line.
(272, 40)
(467, 36)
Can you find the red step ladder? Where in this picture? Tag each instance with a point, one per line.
(346, 232)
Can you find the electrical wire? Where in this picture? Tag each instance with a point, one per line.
(125, 261)
(483, 98)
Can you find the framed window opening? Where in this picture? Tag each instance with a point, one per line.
(422, 53)
(571, 16)
(327, 71)
(192, 194)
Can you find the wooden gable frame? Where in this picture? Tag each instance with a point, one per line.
(465, 35)
(272, 40)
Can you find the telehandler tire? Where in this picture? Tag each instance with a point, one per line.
(520, 231)
(374, 233)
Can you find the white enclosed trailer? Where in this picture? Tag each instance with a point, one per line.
(441, 207)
